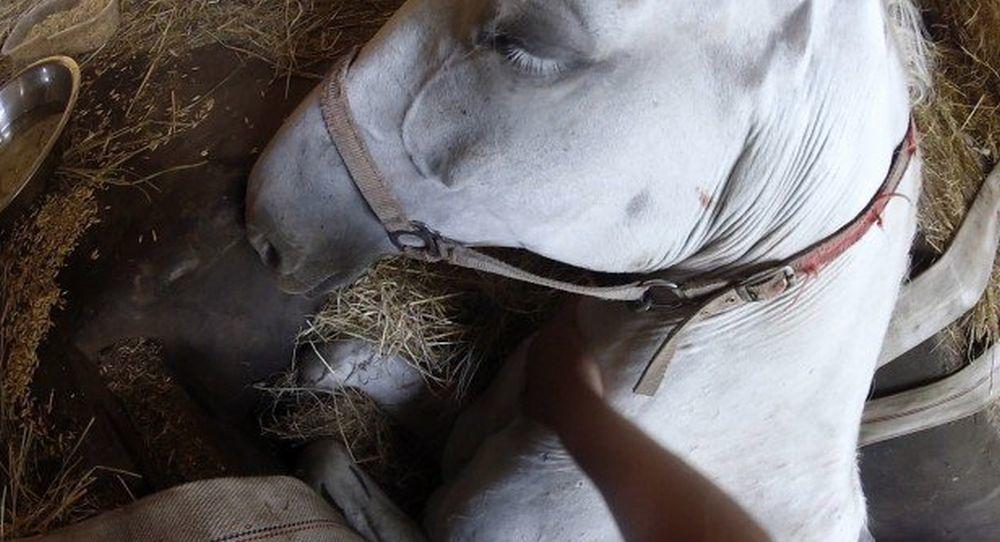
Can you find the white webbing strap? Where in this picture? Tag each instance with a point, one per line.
(477, 261)
(344, 131)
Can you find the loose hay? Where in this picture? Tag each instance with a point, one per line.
(44, 484)
(298, 415)
(446, 322)
(452, 325)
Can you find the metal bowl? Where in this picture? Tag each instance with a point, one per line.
(34, 108)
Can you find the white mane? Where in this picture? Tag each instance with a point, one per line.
(907, 29)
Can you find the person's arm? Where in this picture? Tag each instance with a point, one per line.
(653, 495)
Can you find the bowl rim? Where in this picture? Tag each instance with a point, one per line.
(70, 105)
(21, 27)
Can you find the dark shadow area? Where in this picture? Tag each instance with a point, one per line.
(171, 263)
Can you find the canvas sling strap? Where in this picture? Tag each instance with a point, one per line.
(273, 509)
(709, 297)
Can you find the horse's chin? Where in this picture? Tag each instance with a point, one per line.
(318, 287)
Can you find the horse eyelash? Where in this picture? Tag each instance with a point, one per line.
(529, 63)
(519, 57)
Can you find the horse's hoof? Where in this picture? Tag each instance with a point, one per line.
(327, 467)
(330, 366)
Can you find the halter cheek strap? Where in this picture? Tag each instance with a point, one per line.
(709, 297)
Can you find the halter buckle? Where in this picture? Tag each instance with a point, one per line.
(767, 285)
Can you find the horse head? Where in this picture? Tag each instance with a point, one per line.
(621, 137)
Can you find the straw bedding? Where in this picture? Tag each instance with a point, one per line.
(403, 466)
(447, 323)
(451, 325)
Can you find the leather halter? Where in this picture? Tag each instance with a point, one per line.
(710, 297)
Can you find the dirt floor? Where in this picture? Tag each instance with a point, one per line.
(174, 263)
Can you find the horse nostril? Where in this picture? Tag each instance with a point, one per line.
(268, 253)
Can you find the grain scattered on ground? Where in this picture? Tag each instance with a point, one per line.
(41, 481)
(65, 19)
(30, 263)
(172, 428)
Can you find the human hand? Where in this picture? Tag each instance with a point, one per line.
(559, 374)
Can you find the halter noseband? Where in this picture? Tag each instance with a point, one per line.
(711, 297)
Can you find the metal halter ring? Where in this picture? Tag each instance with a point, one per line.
(654, 300)
(420, 242)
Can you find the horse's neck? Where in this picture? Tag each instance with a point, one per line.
(779, 368)
(816, 155)
(767, 400)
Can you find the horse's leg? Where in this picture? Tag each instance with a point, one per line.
(954, 285)
(963, 394)
(398, 388)
(327, 467)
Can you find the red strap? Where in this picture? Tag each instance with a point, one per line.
(819, 256)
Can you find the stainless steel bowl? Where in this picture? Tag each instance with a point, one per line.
(35, 106)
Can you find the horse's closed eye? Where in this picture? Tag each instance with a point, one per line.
(531, 64)
(523, 60)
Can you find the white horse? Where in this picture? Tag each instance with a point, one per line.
(631, 136)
